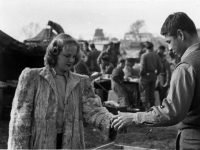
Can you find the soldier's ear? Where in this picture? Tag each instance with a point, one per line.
(180, 34)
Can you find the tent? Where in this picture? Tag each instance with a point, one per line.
(15, 56)
(45, 34)
(43, 38)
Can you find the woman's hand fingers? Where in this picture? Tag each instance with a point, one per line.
(117, 123)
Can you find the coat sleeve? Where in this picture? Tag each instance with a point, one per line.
(94, 113)
(22, 106)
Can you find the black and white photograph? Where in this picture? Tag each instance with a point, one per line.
(100, 74)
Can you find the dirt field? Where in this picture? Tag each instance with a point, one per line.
(145, 137)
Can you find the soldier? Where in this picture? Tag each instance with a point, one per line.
(150, 68)
(182, 103)
(109, 52)
(164, 77)
(92, 58)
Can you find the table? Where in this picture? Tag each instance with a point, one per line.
(102, 87)
(133, 85)
(104, 84)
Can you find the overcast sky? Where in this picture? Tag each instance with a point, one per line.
(80, 18)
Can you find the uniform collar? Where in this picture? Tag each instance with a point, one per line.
(189, 50)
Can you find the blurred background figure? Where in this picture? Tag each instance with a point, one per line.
(81, 67)
(129, 71)
(110, 53)
(142, 49)
(92, 59)
(175, 59)
(163, 80)
(150, 69)
(106, 66)
(86, 48)
(87, 52)
(117, 85)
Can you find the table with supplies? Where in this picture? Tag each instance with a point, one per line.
(102, 87)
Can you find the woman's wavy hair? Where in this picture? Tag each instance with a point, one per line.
(56, 46)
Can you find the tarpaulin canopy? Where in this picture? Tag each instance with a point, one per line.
(44, 35)
(15, 56)
(10, 44)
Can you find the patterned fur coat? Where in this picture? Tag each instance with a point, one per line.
(34, 111)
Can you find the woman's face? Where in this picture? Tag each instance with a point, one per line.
(66, 59)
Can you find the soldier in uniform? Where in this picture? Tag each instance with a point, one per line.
(150, 68)
(164, 77)
(92, 58)
(182, 103)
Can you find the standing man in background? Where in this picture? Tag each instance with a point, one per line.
(92, 58)
(150, 69)
(109, 52)
(164, 77)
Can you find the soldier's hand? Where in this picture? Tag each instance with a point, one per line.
(123, 119)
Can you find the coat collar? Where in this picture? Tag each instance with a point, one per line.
(72, 80)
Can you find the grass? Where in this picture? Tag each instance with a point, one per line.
(137, 136)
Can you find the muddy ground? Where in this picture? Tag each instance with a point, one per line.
(162, 138)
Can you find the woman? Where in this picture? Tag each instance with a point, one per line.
(50, 103)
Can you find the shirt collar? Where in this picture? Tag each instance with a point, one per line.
(54, 73)
(190, 49)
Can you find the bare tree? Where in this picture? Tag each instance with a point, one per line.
(31, 29)
(136, 26)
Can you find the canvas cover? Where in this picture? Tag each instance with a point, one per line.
(44, 35)
(15, 56)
